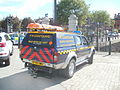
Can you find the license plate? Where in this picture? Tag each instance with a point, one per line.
(38, 63)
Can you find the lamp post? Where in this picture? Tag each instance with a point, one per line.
(105, 37)
(97, 39)
(19, 35)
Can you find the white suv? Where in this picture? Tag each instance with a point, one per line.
(6, 48)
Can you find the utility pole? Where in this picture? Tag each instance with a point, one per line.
(105, 38)
(97, 38)
(55, 4)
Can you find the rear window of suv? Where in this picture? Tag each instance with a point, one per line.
(39, 39)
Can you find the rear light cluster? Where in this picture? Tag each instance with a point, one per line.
(21, 47)
(56, 55)
(3, 53)
(2, 44)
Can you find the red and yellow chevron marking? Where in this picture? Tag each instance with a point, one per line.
(43, 55)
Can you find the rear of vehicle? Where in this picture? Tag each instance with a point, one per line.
(15, 38)
(6, 48)
(39, 49)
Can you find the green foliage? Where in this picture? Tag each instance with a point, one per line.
(100, 17)
(66, 7)
(112, 23)
(15, 22)
(3, 24)
(25, 22)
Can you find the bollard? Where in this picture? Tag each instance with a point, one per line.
(19, 40)
(109, 46)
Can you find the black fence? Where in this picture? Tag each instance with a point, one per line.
(99, 37)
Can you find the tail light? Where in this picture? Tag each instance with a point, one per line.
(2, 44)
(3, 53)
(20, 47)
(56, 55)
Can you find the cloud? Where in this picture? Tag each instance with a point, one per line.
(30, 7)
(24, 8)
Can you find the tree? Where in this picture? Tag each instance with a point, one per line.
(112, 23)
(25, 22)
(66, 7)
(3, 25)
(16, 23)
(101, 17)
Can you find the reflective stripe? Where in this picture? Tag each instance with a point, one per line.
(16, 38)
(27, 53)
(23, 49)
(35, 54)
(66, 51)
(43, 55)
(49, 54)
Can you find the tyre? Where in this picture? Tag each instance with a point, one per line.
(7, 62)
(11, 52)
(90, 60)
(69, 71)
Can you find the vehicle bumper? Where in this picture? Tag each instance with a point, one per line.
(55, 66)
(4, 58)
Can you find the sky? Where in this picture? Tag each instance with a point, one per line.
(111, 6)
(26, 8)
(38, 8)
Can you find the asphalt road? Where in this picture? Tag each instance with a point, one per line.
(16, 77)
(103, 74)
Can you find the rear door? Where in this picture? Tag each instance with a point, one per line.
(8, 43)
(79, 45)
(38, 47)
(86, 47)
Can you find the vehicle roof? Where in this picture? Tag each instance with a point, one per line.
(70, 33)
(2, 33)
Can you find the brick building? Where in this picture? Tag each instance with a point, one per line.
(117, 21)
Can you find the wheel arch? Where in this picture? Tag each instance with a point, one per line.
(71, 55)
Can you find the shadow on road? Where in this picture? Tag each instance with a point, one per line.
(2, 65)
(24, 81)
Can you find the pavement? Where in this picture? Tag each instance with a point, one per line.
(103, 74)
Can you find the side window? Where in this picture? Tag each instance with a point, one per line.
(78, 40)
(6, 37)
(65, 40)
(85, 42)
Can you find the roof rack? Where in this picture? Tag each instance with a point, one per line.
(37, 27)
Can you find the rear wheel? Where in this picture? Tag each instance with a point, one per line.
(90, 60)
(70, 69)
(11, 52)
(7, 62)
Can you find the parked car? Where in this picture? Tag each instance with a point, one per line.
(113, 34)
(15, 37)
(6, 48)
